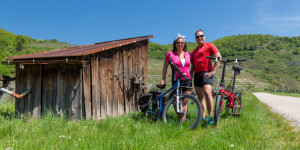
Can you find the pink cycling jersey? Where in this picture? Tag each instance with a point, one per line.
(176, 60)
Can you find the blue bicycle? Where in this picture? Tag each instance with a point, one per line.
(170, 106)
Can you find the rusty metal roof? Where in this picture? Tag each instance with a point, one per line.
(81, 50)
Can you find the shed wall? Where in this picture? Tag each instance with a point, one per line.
(106, 86)
(55, 87)
(111, 77)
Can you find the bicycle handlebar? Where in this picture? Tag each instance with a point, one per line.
(179, 71)
(227, 60)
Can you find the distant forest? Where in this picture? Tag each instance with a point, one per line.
(274, 59)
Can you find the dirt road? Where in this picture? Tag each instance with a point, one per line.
(288, 106)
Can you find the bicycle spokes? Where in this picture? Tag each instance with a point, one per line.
(188, 117)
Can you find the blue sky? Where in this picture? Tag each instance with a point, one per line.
(90, 21)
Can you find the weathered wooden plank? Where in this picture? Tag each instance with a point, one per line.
(131, 60)
(119, 83)
(115, 82)
(27, 85)
(126, 83)
(110, 83)
(103, 84)
(75, 72)
(145, 47)
(36, 94)
(60, 97)
(18, 89)
(138, 74)
(121, 105)
(23, 77)
(94, 79)
(87, 90)
(97, 84)
(82, 100)
(54, 73)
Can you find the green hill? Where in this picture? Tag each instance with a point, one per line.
(274, 59)
(12, 44)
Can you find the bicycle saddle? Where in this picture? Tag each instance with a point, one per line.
(237, 68)
(161, 87)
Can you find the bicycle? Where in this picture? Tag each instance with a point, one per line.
(155, 104)
(5, 82)
(233, 100)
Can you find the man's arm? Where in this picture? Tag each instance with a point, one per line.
(216, 65)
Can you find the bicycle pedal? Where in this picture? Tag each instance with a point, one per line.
(236, 114)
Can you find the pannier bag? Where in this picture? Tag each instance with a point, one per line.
(144, 101)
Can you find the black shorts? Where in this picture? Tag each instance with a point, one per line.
(200, 80)
(187, 83)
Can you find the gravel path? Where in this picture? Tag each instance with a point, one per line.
(287, 106)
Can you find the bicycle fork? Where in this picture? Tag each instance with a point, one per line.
(178, 103)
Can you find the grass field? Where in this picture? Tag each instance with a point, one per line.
(256, 128)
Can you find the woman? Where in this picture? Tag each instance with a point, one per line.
(182, 59)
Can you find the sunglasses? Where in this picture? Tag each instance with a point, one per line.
(179, 42)
(200, 36)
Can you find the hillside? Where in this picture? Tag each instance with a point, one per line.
(275, 60)
(12, 44)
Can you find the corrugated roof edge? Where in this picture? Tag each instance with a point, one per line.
(79, 50)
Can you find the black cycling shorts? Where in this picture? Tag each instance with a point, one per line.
(187, 83)
(200, 80)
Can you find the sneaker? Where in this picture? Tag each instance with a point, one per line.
(210, 120)
(204, 118)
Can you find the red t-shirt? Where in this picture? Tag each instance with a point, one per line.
(199, 57)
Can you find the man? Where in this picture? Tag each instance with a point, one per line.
(203, 78)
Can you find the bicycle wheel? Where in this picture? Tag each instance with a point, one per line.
(237, 105)
(217, 109)
(190, 117)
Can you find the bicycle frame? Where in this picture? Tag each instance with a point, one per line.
(229, 95)
(225, 93)
(160, 98)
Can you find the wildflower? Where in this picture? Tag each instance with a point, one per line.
(9, 148)
(122, 126)
(62, 136)
(231, 145)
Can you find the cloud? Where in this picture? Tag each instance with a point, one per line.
(277, 20)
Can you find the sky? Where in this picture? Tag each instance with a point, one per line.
(82, 22)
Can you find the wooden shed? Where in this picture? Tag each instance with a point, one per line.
(96, 80)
